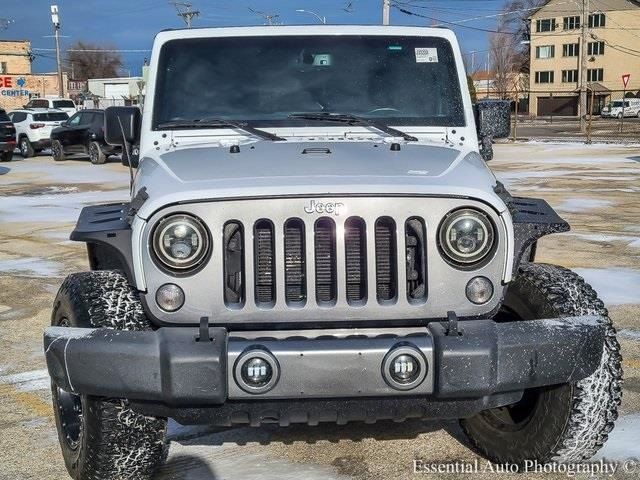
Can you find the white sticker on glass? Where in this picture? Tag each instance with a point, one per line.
(426, 55)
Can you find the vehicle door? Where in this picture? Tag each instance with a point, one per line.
(85, 130)
(72, 138)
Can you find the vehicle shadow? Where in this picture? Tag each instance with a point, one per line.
(187, 467)
(356, 432)
(4, 170)
(635, 158)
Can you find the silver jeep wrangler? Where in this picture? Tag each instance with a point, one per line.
(314, 236)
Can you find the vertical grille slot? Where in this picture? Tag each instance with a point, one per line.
(416, 259)
(325, 257)
(233, 264)
(265, 275)
(295, 264)
(386, 261)
(355, 243)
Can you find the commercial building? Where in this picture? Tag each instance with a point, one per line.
(613, 50)
(115, 91)
(17, 84)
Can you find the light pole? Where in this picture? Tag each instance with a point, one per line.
(386, 11)
(55, 19)
(322, 20)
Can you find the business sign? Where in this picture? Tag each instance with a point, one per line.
(13, 87)
(625, 79)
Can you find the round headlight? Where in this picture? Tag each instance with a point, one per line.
(180, 242)
(466, 236)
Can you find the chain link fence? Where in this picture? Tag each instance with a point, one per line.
(611, 116)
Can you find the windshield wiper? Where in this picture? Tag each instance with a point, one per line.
(354, 120)
(219, 123)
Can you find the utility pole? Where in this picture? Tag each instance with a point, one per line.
(583, 67)
(186, 11)
(55, 19)
(386, 11)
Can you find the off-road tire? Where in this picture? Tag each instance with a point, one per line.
(96, 155)
(113, 442)
(566, 423)
(6, 156)
(57, 152)
(26, 149)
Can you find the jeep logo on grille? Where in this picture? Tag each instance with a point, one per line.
(324, 207)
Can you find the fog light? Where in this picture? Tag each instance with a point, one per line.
(404, 367)
(256, 371)
(479, 290)
(170, 297)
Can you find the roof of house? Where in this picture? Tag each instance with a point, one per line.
(565, 6)
(482, 75)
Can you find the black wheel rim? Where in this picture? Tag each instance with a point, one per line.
(69, 411)
(514, 417)
(56, 150)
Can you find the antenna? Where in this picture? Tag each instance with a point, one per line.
(270, 18)
(186, 11)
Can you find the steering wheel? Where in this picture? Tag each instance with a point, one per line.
(383, 109)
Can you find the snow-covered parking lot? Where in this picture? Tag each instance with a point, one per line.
(596, 188)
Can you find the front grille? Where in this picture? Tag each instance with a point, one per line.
(331, 260)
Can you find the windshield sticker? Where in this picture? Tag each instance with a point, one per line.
(426, 55)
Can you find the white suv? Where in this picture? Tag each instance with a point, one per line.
(65, 104)
(33, 128)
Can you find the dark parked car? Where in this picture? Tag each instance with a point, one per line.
(7, 137)
(83, 133)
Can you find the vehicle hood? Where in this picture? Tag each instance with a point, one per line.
(315, 169)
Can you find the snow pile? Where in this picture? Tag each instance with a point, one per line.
(615, 286)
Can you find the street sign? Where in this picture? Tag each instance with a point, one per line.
(625, 79)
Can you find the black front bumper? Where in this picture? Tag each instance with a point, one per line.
(171, 372)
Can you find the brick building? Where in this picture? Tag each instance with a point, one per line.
(17, 83)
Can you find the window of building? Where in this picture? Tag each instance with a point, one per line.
(595, 48)
(546, 25)
(544, 77)
(569, 76)
(571, 23)
(3, 67)
(595, 75)
(596, 20)
(570, 49)
(546, 51)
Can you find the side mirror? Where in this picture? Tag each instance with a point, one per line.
(133, 160)
(122, 125)
(493, 120)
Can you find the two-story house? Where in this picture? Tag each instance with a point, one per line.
(613, 49)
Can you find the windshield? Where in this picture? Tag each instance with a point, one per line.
(50, 117)
(63, 104)
(400, 80)
(619, 104)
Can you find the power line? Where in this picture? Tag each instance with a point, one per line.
(186, 11)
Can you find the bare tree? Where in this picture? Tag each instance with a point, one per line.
(503, 64)
(515, 19)
(86, 60)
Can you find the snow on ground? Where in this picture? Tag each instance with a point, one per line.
(629, 334)
(27, 381)
(623, 441)
(30, 267)
(615, 286)
(54, 208)
(606, 238)
(578, 205)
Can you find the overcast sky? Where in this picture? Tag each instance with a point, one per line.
(131, 24)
